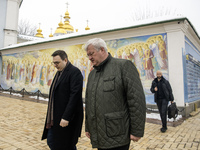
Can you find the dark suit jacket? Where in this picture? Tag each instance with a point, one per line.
(68, 105)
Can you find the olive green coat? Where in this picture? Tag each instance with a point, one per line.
(115, 104)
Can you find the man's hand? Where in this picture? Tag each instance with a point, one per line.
(64, 123)
(156, 89)
(87, 134)
(134, 138)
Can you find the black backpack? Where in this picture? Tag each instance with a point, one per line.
(172, 111)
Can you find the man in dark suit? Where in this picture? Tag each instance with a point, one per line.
(65, 108)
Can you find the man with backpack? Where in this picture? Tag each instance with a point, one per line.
(162, 95)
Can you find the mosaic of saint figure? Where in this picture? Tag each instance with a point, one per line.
(148, 66)
(136, 58)
(8, 70)
(50, 75)
(43, 75)
(34, 71)
(162, 52)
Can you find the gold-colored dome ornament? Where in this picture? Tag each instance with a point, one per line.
(87, 28)
(39, 32)
(60, 30)
(51, 35)
(67, 26)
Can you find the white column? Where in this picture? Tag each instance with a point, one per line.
(176, 43)
(10, 30)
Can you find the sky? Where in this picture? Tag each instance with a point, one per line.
(106, 14)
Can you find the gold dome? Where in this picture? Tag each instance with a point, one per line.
(67, 26)
(87, 28)
(60, 29)
(67, 14)
(39, 32)
(51, 35)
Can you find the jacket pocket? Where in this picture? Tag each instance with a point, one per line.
(109, 84)
(115, 124)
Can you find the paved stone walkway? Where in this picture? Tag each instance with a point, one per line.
(21, 126)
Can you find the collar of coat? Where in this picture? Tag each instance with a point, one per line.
(162, 79)
(65, 67)
(64, 71)
(101, 65)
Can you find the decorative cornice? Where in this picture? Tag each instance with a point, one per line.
(11, 30)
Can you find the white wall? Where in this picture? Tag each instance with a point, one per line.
(3, 6)
(175, 45)
(12, 14)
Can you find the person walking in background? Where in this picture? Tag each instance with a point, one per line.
(115, 101)
(162, 95)
(65, 108)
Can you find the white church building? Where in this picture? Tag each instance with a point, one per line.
(174, 43)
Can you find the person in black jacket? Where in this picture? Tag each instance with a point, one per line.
(162, 95)
(65, 108)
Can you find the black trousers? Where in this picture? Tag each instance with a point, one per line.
(126, 147)
(50, 140)
(162, 107)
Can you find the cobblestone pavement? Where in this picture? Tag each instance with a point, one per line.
(21, 126)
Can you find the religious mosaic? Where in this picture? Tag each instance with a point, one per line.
(33, 70)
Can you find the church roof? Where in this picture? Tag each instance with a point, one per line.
(91, 32)
(28, 37)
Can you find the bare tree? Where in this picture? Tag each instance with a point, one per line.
(146, 9)
(26, 28)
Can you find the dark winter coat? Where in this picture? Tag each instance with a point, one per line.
(68, 105)
(115, 104)
(165, 87)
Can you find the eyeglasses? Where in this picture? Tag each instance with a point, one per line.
(55, 63)
(90, 54)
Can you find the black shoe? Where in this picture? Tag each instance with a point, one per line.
(163, 130)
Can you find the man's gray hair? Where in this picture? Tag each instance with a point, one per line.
(97, 43)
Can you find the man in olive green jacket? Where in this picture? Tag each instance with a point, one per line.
(115, 100)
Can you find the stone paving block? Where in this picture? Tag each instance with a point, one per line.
(195, 145)
(143, 148)
(188, 145)
(4, 145)
(191, 139)
(185, 139)
(152, 146)
(172, 139)
(174, 145)
(167, 146)
(178, 140)
(181, 146)
(160, 145)
(10, 148)
(135, 147)
(197, 140)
